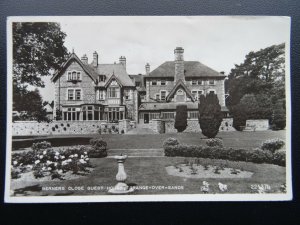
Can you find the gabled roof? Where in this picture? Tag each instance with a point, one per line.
(110, 79)
(179, 84)
(102, 69)
(118, 70)
(86, 68)
(191, 69)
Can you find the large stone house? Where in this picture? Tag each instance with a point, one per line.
(94, 91)
(178, 82)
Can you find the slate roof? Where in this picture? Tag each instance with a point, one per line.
(117, 69)
(102, 69)
(157, 106)
(191, 68)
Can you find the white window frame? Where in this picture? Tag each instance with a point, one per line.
(154, 81)
(78, 76)
(117, 92)
(73, 92)
(200, 82)
(163, 80)
(99, 95)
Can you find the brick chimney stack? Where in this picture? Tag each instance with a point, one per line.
(84, 59)
(179, 64)
(122, 60)
(147, 67)
(95, 59)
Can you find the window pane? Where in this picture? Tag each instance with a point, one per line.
(78, 94)
(71, 94)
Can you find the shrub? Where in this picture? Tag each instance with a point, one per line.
(255, 155)
(279, 116)
(210, 115)
(279, 158)
(272, 145)
(41, 145)
(181, 118)
(98, 149)
(214, 142)
(170, 142)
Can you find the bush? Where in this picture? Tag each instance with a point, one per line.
(272, 145)
(279, 116)
(98, 149)
(255, 155)
(210, 115)
(214, 142)
(279, 158)
(41, 145)
(170, 142)
(181, 118)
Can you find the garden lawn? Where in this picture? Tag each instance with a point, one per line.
(233, 139)
(151, 173)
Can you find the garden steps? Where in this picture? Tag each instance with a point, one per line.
(152, 152)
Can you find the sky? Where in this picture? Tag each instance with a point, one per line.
(218, 42)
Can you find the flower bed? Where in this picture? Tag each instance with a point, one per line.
(218, 152)
(44, 161)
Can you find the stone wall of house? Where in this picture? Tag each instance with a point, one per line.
(152, 90)
(257, 125)
(88, 94)
(27, 128)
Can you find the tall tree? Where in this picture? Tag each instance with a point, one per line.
(181, 118)
(261, 72)
(210, 115)
(38, 50)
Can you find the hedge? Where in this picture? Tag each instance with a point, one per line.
(255, 155)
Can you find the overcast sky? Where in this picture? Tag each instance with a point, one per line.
(218, 42)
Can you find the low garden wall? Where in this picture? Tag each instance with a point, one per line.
(257, 125)
(27, 128)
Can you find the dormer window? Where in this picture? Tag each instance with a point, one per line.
(74, 76)
(101, 78)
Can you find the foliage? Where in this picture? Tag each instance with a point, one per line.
(262, 71)
(31, 103)
(41, 145)
(181, 118)
(210, 115)
(38, 50)
(272, 145)
(214, 142)
(98, 148)
(256, 85)
(253, 155)
(43, 160)
(279, 116)
(170, 142)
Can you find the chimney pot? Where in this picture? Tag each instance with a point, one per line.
(84, 59)
(122, 60)
(95, 59)
(147, 67)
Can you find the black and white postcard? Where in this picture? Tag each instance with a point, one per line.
(148, 108)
